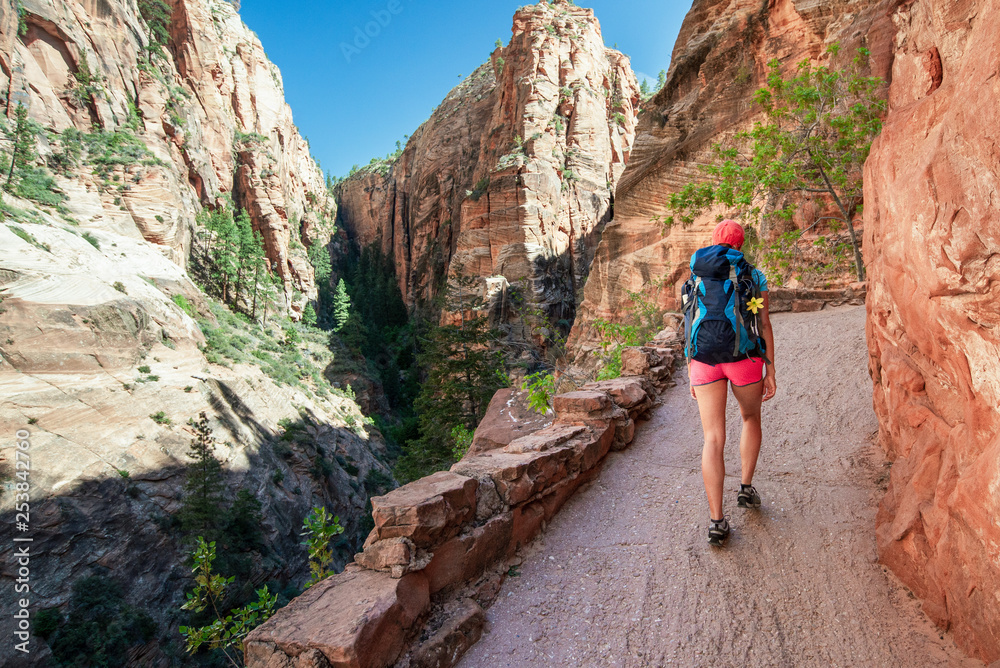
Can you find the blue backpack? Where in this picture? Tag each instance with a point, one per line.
(718, 326)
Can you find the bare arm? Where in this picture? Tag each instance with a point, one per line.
(770, 384)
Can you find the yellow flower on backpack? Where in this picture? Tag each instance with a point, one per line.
(755, 304)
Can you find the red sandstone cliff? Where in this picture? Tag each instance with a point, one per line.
(718, 62)
(932, 247)
(514, 173)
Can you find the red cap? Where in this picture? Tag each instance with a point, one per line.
(728, 232)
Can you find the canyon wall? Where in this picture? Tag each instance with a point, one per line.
(932, 247)
(206, 111)
(513, 175)
(102, 361)
(719, 61)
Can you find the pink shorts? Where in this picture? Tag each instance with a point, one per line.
(742, 373)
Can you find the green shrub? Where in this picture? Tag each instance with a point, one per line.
(86, 87)
(224, 632)
(159, 417)
(248, 138)
(321, 467)
(461, 439)
(119, 286)
(38, 185)
(144, 369)
(480, 189)
(540, 386)
(614, 338)
(46, 622)
(377, 482)
(27, 236)
(121, 148)
(100, 627)
(319, 528)
(92, 240)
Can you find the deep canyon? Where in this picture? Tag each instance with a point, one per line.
(541, 178)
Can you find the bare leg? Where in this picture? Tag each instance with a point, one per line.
(712, 406)
(749, 398)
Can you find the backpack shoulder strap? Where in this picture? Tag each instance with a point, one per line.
(734, 278)
(689, 307)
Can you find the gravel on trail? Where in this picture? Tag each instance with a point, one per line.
(624, 575)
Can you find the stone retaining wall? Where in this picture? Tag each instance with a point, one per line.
(442, 545)
(803, 300)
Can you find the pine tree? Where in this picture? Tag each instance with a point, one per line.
(157, 15)
(223, 252)
(24, 142)
(465, 368)
(201, 514)
(262, 278)
(661, 81)
(243, 523)
(270, 290)
(248, 250)
(319, 258)
(309, 315)
(341, 306)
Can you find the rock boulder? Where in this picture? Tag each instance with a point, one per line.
(357, 619)
(426, 511)
(507, 418)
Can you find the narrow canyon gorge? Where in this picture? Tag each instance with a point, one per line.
(541, 184)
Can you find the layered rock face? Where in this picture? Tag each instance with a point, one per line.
(932, 247)
(108, 436)
(513, 175)
(209, 110)
(719, 61)
(88, 300)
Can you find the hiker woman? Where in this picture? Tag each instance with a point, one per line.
(729, 342)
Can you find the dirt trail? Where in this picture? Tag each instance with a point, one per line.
(624, 575)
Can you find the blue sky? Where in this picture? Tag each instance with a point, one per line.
(354, 104)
